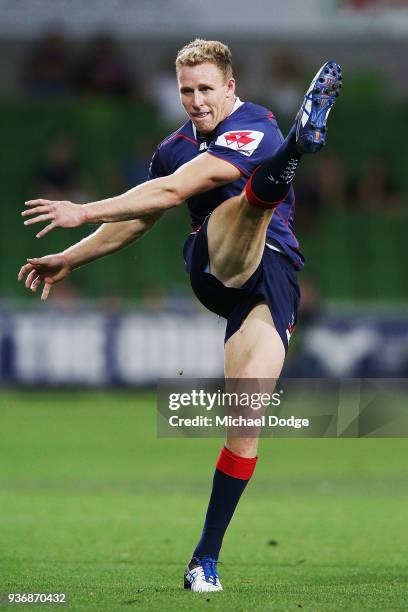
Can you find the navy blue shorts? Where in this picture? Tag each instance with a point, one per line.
(274, 282)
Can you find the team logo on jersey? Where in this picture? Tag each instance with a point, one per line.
(244, 141)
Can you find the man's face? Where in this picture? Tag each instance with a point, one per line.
(206, 96)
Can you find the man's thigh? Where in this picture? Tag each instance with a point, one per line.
(256, 350)
(236, 237)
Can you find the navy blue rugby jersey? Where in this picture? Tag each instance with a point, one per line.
(245, 138)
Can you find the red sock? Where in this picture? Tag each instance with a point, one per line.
(236, 466)
(271, 181)
(230, 479)
(255, 201)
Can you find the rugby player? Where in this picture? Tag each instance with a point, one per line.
(231, 165)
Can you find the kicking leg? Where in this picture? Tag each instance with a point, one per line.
(237, 228)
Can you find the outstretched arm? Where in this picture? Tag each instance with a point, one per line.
(203, 173)
(107, 239)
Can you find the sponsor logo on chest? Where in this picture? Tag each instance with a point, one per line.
(244, 141)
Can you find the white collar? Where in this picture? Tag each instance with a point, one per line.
(236, 106)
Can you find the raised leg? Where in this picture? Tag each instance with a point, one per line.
(237, 228)
(236, 240)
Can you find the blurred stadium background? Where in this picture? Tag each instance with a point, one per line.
(91, 501)
(86, 94)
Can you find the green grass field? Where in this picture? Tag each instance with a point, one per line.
(94, 504)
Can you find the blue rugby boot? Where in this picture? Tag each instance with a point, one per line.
(312, 117)
(201, 575)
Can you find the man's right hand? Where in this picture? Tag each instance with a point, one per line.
(60, 213)
(48, 270)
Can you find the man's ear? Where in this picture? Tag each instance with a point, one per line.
(230, 87)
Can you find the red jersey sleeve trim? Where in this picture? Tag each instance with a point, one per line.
(170, 138)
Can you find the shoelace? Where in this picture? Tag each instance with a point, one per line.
(209, 566)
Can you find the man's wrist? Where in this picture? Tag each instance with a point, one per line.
(95, 212)
(69, 260)
(86, 215)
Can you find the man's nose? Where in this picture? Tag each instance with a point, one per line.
(197, 99)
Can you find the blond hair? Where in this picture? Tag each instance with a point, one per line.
(200, 51)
